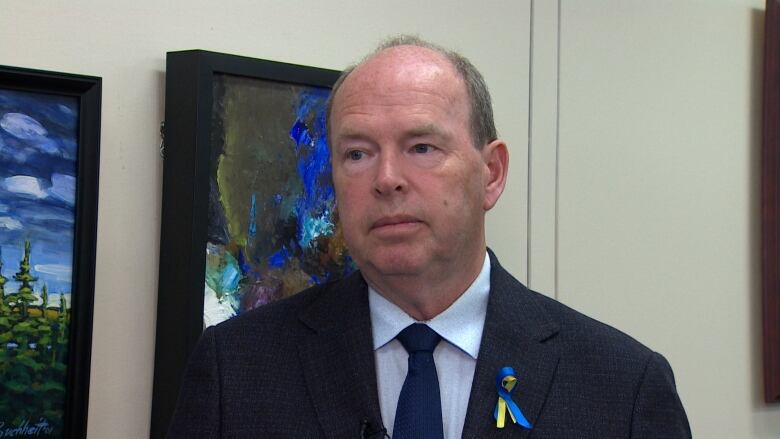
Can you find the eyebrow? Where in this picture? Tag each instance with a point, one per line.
(350, 134)
(425, 130)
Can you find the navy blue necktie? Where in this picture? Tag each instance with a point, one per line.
(418, 415)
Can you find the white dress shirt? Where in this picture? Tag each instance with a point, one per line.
(460, 327)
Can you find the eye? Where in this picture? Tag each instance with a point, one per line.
(355, 155)
(422, 148)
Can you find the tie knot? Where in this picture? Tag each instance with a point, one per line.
(418, 337)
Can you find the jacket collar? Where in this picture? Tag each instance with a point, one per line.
(517, 328)
(337, 359)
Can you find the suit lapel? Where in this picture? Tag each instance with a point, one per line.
(338, 361)
(516, 327)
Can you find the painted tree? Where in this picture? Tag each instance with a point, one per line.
(7, 320)
(62, 322)
(25, 294)
(43, 326)
(5, 310)
(3, 279)
(45, 299)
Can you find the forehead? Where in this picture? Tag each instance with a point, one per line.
(399, 75)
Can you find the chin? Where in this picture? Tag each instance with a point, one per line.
(390, 263)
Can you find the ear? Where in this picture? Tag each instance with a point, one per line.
(496, 157)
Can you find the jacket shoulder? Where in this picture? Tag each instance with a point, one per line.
(545, 319)
(585, 333)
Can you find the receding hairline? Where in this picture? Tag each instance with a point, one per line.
(408, 49)
(436, 53)
(479, 106)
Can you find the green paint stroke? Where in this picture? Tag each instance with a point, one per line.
(258, 156)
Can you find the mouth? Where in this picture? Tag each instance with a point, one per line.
(395, 221)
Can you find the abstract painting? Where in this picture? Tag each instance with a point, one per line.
(249, 212)
(40, 157)
(272, 228)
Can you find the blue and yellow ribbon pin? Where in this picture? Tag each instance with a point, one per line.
(505, 382)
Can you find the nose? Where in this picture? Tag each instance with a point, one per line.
(389, 177)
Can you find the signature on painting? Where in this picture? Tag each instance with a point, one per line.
(25, 429)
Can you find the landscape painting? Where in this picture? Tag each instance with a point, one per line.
(272, 223)
(38, 156)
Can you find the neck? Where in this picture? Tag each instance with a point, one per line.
(425, 296)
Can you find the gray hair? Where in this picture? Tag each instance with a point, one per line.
(483, 128)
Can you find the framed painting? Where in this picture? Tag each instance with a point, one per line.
(770, 176)
(49, 143)
(248, 212)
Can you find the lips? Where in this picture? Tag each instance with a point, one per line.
(394, 220)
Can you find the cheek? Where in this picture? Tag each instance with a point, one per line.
(354, 238)
(463, 190)
(348, 208)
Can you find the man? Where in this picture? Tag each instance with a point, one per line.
(416, 165)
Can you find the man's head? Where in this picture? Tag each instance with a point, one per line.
(483, 128)
(412, 189)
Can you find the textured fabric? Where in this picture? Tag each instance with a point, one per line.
(418, 415)
(460, 327)
(303, 367)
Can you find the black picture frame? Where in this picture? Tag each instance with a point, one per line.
(189, 99)
(87, 91)
(770, 204)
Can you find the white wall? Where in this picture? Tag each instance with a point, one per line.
(643, 184)
(125, 43)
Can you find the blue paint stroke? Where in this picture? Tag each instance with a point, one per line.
(328, 276)
(278, 259)
(228, 280)
(223, 277)
(242, 262)
(63, 187)
(311, 228)
(253, 217)
(315, 206)
(300, 133)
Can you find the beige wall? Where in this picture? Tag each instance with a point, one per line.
(658, 191)
(642, 162)
(644, 187)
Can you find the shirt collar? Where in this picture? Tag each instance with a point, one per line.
(461, 324)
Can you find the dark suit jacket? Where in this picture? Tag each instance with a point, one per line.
(304, 368)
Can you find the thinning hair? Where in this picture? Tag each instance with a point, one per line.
(483, 127)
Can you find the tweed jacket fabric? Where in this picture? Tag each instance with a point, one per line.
(303, 367)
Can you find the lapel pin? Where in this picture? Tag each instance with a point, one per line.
(505, 383)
